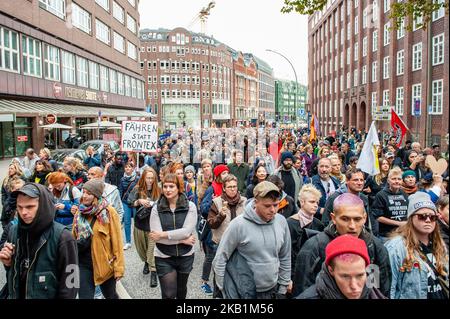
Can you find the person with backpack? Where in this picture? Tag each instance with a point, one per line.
(66, 195)
(40, 255)
(97, 230)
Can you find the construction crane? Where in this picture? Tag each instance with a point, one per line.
(202, 16)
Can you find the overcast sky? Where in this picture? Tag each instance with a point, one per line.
(245, 25)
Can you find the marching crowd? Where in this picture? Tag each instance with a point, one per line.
(275, 214)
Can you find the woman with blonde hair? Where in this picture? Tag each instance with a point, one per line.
(14, 172)
(376, 183)
(66, 195)
(75, 170)
(417, 253)
(142, 197)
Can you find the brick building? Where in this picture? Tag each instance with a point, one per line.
(68, 58)
(358, 63)
(188, 78)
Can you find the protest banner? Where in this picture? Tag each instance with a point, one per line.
(139, 136)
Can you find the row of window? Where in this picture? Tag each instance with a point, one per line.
(187, 94)
(185, 79)
(182, 51)
(185, 66)
(437, 59)
(81, 19)
(371, 11)
(416, 97)
(42, 59)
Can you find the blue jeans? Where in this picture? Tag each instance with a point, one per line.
(127, 216)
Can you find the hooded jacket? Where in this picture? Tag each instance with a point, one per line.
(112, 195)
(326, 288)
(51, 251)
(298, 180)
(312, 255)
(265, 245)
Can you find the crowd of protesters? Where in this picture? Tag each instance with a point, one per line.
(283, 215)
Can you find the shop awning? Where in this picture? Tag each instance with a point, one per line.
(42, 109)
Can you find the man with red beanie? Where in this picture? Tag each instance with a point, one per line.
(343, 275)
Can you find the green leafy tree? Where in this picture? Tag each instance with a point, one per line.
(400, 10)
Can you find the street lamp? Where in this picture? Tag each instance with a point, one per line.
(296, 81)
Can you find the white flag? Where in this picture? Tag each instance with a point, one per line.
(368, 159)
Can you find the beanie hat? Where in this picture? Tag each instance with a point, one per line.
(286, 155)
(95, 186)
(409, 173)
(346, 244)
(189, 168)
(219, 169)
(418, 201)
(206, 161)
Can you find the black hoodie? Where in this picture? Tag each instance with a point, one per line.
(312, 255)
(326, 288)
(32, 236)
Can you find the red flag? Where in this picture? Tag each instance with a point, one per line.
(399, 128)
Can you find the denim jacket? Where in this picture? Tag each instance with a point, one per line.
(409, 284)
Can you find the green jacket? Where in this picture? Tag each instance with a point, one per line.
(241, 172)
(45, 280)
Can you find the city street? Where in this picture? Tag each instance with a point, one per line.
(135, 283)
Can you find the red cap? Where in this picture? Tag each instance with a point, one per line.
(219, 169)
(346, 244)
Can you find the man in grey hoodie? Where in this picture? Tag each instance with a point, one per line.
(262, 238)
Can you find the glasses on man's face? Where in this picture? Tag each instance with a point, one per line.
(424, 217)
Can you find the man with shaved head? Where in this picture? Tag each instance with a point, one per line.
(348, 217)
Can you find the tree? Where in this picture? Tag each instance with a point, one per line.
(412, 9)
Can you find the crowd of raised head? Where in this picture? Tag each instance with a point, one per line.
(321, 227)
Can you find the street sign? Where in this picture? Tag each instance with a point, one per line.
(51, 118)
(22, 138)
(382, 113)
(417, 109)
(430, 109)
(301, 112)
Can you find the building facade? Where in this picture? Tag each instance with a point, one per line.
(188, 78)
(245, 89)
(76, 60)
(266, 91)
(360, 65)
(288, 111)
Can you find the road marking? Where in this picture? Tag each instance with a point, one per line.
(121, 291)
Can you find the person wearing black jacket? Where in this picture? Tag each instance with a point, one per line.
(41, 255)
(172, 223)
(303, 224)
(287, 206)
(354, 185)
(376, 183)
(348, 218)
(116, 170)
(343, 275)
(142, 197)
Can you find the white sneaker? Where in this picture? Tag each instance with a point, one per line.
(126, 246)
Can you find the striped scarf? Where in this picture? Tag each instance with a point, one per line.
(81, 225)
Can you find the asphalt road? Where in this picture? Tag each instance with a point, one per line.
(135, 283)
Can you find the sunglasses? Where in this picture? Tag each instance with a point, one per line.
(424, 217)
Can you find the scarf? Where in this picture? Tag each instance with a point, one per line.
(129, 178)
(408, 189)
(217, 187)
(304, 218)
(283, 203)
(232, 203)
(81, 225)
